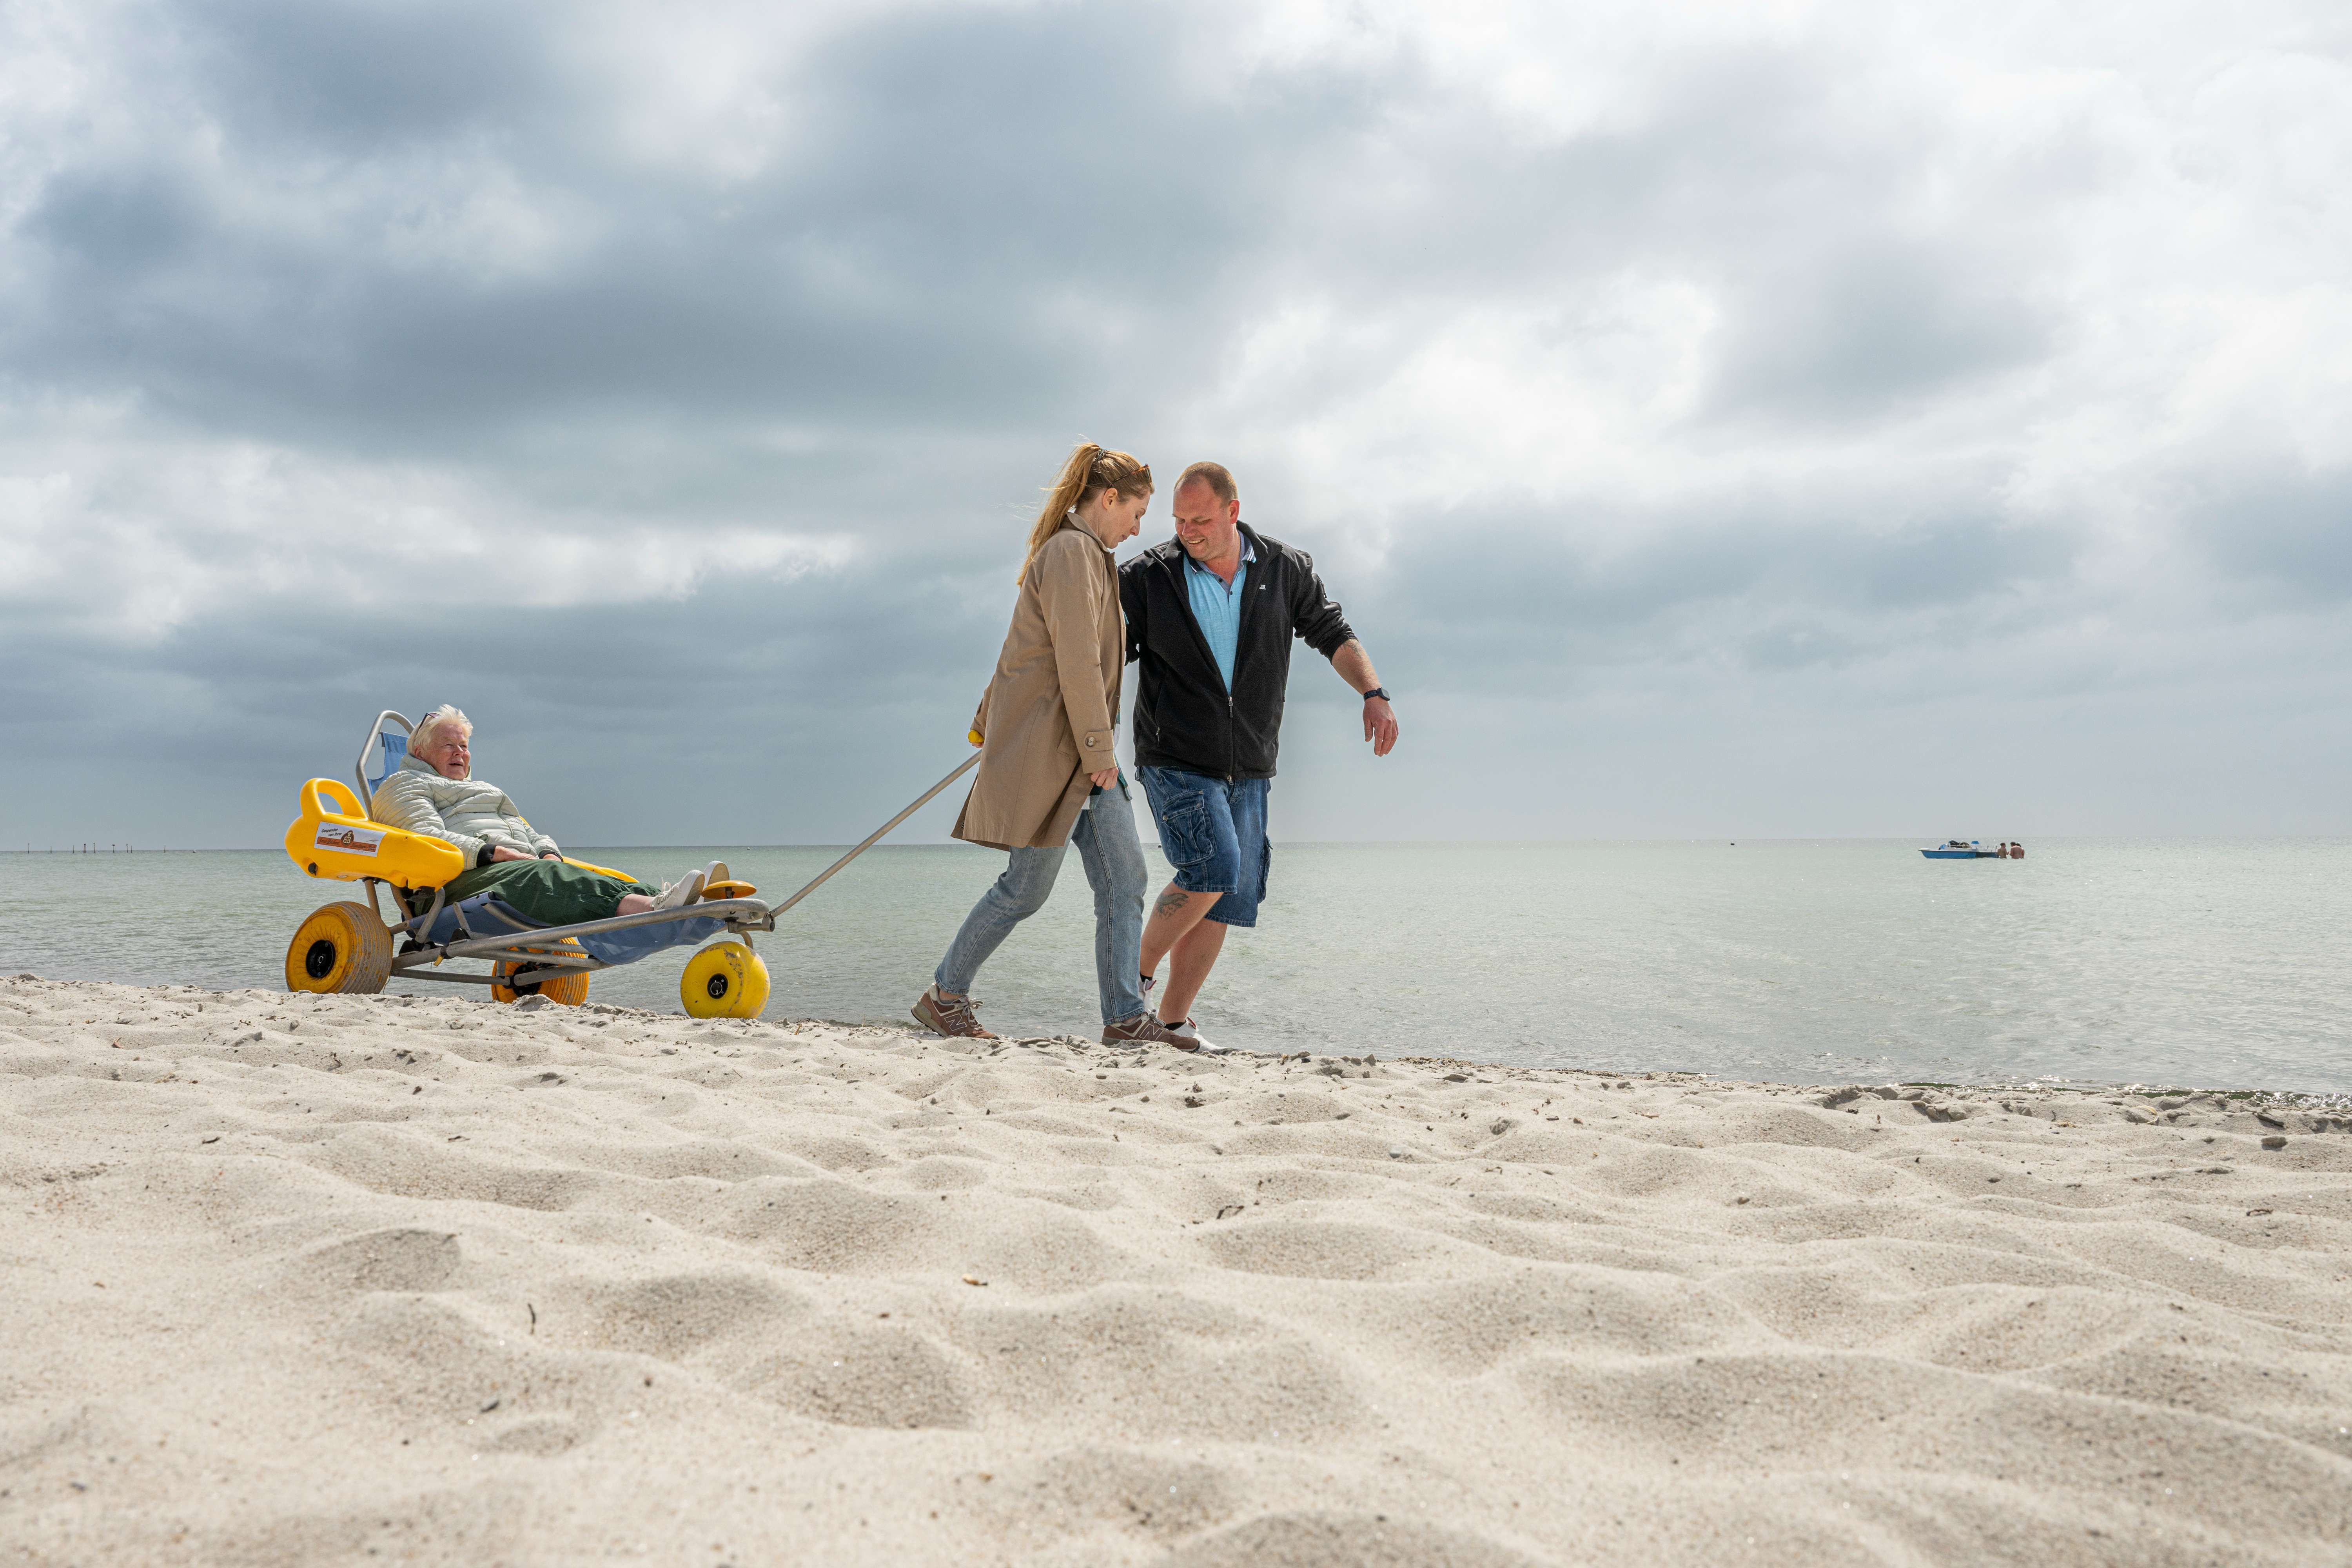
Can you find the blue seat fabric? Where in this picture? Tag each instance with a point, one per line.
(390, 749)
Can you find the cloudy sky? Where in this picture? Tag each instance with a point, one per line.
(1779, 419)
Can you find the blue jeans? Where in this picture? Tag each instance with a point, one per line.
(1113, 856)
(1214, 834)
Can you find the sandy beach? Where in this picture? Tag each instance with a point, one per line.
(324, 1281)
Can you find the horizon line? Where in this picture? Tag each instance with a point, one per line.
(1725, 840)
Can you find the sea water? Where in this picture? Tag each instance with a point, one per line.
(2195, 962)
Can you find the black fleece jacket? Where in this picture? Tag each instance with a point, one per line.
(1184, 718)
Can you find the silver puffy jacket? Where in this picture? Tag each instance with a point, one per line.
(464, 812)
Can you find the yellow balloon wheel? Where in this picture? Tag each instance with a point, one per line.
(343, 948)
(570, 989)
(725, 980)
(754, 999)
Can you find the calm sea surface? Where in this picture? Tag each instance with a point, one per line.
(2205, 963)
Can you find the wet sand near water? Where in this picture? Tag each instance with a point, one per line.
(357, 1280)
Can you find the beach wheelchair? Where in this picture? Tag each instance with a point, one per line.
(351, 948)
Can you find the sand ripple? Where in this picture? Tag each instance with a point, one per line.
(295, 1280)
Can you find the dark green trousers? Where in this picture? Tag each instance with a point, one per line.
(549, 891)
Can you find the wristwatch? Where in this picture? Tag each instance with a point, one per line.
(1379, 691)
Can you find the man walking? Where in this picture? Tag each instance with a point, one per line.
(1209, 615)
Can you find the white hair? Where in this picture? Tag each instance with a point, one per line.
(430, 725)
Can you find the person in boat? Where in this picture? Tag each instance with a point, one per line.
(433, 792)
(1049, 775)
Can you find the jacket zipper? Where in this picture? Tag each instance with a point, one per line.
(1232, 714)
(1233, 717)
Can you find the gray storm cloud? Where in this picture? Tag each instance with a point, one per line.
(1712, 421)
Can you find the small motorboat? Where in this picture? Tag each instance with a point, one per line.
(1972, 849)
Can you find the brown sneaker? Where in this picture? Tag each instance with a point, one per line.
(1144, 1029)
(948, 1016)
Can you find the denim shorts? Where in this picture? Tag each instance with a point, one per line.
(1213, 832)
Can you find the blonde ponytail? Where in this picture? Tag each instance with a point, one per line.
(1091, 468)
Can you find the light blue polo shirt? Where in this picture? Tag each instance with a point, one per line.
(1218, 607)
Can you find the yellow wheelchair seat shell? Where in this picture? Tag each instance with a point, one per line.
(344, 846)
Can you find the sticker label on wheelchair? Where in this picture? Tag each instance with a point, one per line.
(350, 840)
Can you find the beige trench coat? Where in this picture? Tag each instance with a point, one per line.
(1047, 715)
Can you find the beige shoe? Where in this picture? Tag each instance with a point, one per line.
(948, 1016)
(680, 893)
(1143, 1029)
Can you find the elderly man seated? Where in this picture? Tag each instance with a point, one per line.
(434, 792)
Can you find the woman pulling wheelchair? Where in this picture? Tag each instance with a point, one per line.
(1049, 777)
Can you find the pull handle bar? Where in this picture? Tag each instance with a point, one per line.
(872, 838)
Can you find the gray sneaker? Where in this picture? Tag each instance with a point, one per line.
(948, 1016)
(1144, 1029)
